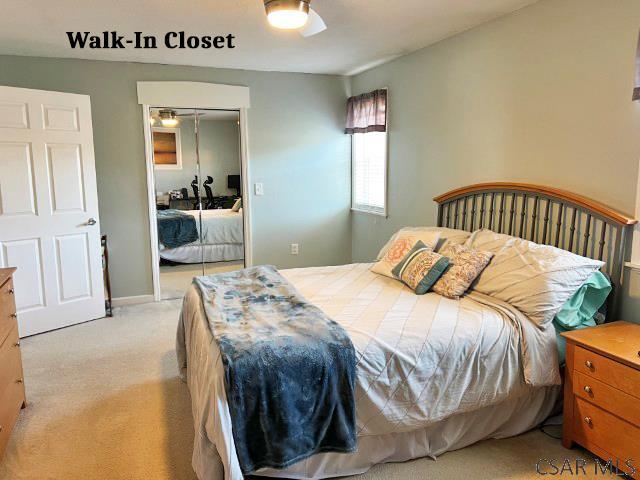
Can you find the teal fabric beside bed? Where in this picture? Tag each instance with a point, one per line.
(580, 310)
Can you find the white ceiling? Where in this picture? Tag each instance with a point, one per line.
(360, 34)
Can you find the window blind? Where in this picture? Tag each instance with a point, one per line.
(369, 164)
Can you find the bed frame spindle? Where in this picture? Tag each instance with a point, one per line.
(587, 234)
(603, 234)
(534, 217)
(559, 224)
(493, 196)
(546, 222)
(512, 212)
(523, 214)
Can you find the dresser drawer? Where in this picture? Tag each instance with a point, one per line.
(608, 398)
(595, 427)
(7, 310)
(11, 401)
(607, 371)
(10, 362)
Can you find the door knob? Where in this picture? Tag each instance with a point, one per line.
(91, 221)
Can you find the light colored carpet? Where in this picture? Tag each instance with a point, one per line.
(105, 402)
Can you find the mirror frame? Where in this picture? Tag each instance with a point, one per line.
(196, 95)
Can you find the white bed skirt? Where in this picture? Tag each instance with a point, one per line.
(512, 417)
(224, 252)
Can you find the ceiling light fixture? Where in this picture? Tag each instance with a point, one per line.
(287, 14)
(168, 118)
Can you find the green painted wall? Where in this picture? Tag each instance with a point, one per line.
(542, 95)
(297, 149)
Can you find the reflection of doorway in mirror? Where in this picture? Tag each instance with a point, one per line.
(167, 150)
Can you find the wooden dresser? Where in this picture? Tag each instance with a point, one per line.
(12, 397)
(602, 393)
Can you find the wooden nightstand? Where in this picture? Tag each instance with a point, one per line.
(602, 392)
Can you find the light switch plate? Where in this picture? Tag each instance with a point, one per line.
(259, 188)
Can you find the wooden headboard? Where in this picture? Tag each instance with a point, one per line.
(543, 215)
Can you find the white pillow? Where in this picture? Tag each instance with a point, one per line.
(429, 236)
(536, 279)
(398, 249)
(236, 206)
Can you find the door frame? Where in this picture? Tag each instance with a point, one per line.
(194, 95)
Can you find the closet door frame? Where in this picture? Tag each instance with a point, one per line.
(195, 95)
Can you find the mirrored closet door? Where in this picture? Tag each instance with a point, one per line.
(198, 197)
(221, 215)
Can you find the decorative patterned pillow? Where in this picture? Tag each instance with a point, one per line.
(420, 268)
(466, 265)
(397, 251)
(428, 235)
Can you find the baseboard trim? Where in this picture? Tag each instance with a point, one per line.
(135, 300)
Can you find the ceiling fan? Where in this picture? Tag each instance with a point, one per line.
(169, 117)
(294, 15)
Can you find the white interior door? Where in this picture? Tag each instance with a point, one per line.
(49, 225)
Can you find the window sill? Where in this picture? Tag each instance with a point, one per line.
(370, 212)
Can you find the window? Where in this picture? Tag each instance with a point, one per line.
(369, 172)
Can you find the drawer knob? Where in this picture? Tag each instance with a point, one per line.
(588, 421)
(19, 380)
(0, 428)
(14, 315)
(587, 389)
(17, 344)
(11, 291)
(588, 364)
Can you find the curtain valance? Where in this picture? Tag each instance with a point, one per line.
(367, 112)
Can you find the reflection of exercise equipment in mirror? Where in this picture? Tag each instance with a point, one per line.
(196, 193)
(207, 188)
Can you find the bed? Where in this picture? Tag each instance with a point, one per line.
(433, 374)
(221, 234)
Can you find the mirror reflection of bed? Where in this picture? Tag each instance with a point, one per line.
(197, 168)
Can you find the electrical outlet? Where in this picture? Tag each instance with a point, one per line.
(295, 249)
(259, 188)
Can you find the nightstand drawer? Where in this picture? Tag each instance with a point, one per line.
(608, 398)
(607, 371)
(594, 427)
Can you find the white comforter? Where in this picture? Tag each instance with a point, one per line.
(421, 359)
(219, 226)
